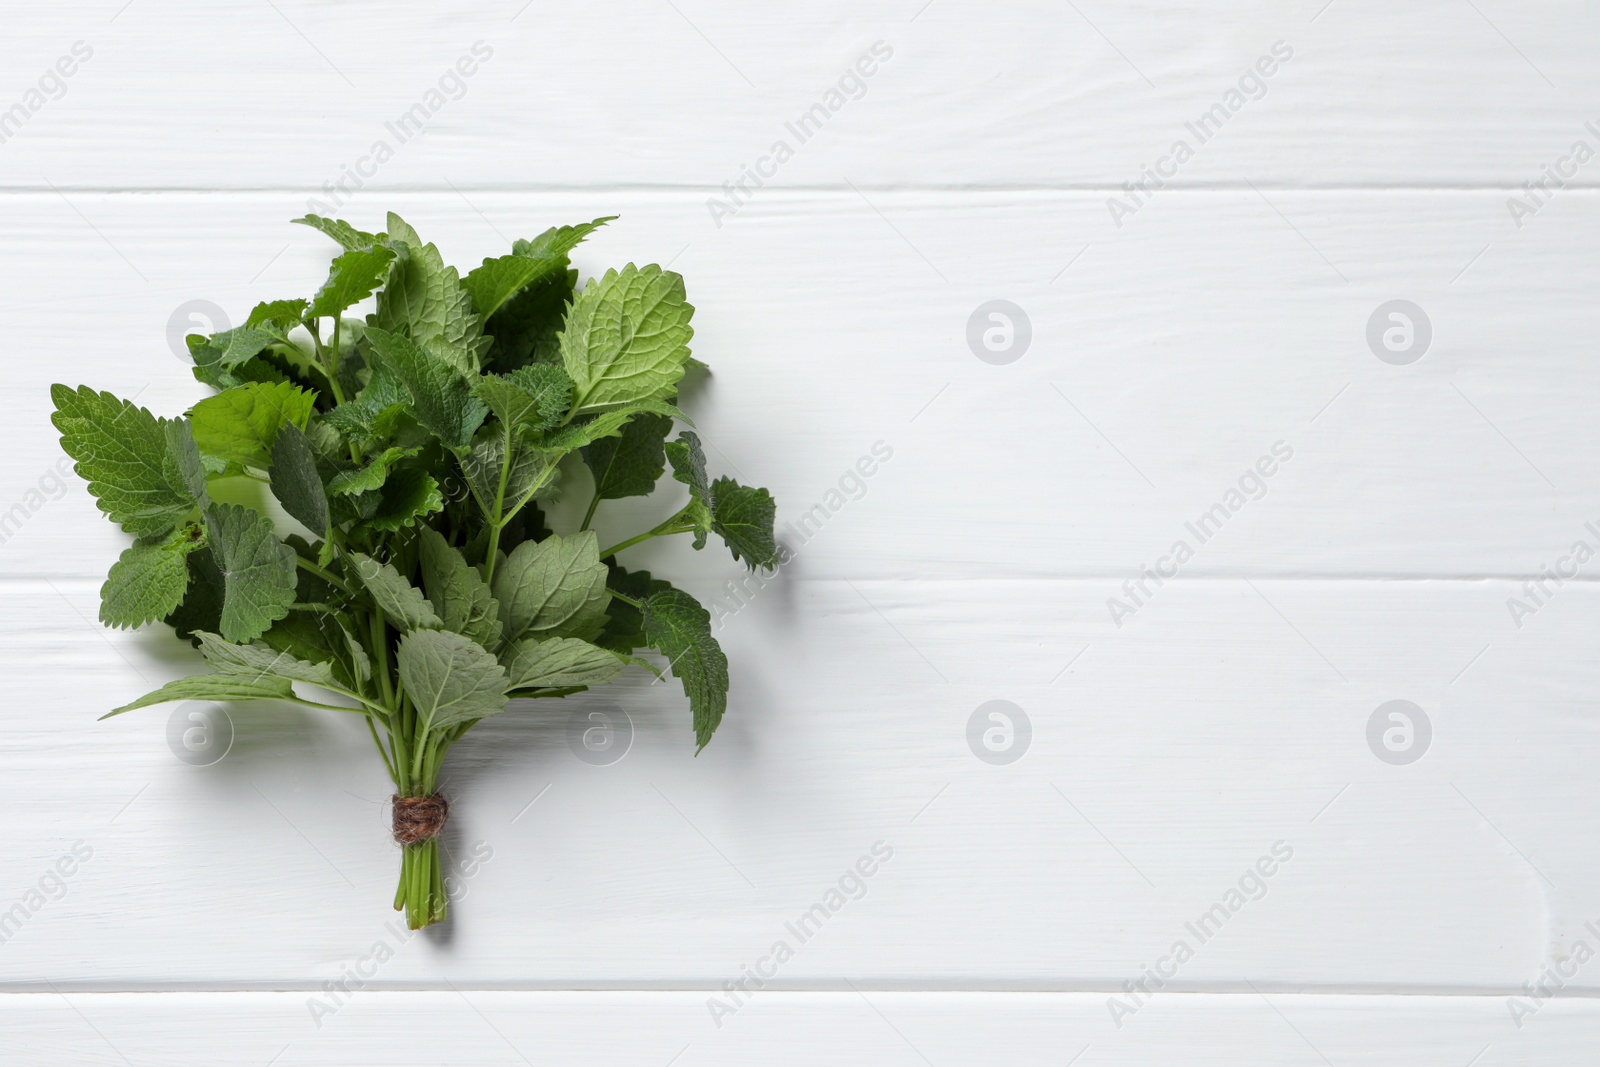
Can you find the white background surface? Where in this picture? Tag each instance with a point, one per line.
(1227, 314)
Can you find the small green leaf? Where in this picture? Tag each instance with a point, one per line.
(532, 471)
(373, 475)
(401, 601)
(202, 603)
(408, 494)
(458, 592)
(533, 398)
(240, 424)
(185, 470)
(214, 687)
(258, 570)
(149, 579)
(497, 280)
(679, 628)
(440, 396)
(626, 338)
(553, 588)
(295, 481)
(351, 279)
(606, 424)
(341, 231)
(450, 679)
(527, 329)
(689, 467)
(281, 315)
(376, 409)
(742, 516)
(630, 463)
(559, 661)
(121, 451)
(426, 302)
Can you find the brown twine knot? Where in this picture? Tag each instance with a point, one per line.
(416, 819)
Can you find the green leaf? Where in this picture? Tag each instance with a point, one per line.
(559, 661)
(202, 603)
(624, 629)
(376, 409)
(258, 570)
(149, 579)
(214, 687)
(121, 451)
(679, 628)
(627, 337)
(532, 471)
(373, 475)
(351, 279)
(742, 516)
(689, 467)
(184, 468)
(606, 424)
(408, 494)
(440, 396)
(341, 231)
(553, 588)
(317, 638)
(630, 463)
(533, 398)
(425, 301)
(497, 280)
(283, 315)
(558, 240)
(295, 481)
(401, 601)
(451, 679)
(240, 424)
(527, 329)
(260, 660)
(458, 592)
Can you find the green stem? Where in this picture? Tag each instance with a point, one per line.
(666, 529)
(332, 579)
(588, 516)
(625, 599)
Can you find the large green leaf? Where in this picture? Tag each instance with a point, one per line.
(458, 592)
(559, 661)
(401, 601)
(149, 579)
(553, 588)
(122, 452)
(426, 302)
(679, 628)
(630, 463)
(627, 338)
(440, 396)
(450, 678)
(258, 570)
(240, 424)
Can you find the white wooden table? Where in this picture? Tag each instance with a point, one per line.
(1198, 765)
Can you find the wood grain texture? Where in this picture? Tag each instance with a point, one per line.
(1023, 94)
(1187, 733)
(864, 1026)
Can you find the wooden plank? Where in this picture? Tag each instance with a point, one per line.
(865, 1026)
(1165, 365)
(692, 93)
(1163, 768)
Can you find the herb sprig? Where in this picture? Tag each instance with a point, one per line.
(413, 448)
